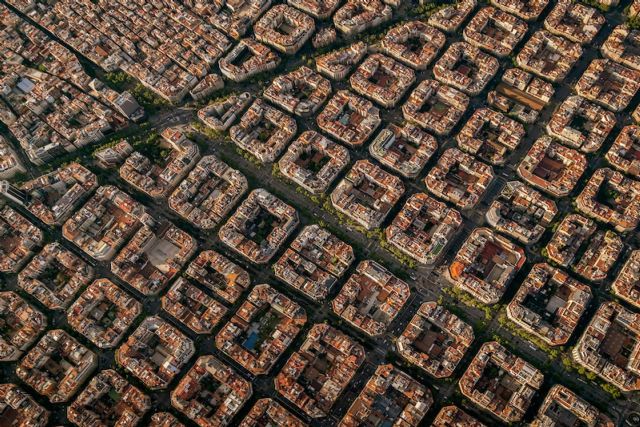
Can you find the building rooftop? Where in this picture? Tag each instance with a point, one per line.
(552, 167)
(315, 376)
(220, 275)
(465, 67)
(423, 228)
(599, 256)
(390, 396)
(206, 87)
(521, 212)
(452, 416)
(111, 157)
(371, 298)
(490, 136)
(622, 46)
(356, 16)
(500, 382)
(18, 240)
(220, 115)
(268, 412)
(264, 131)
(575, 21)
(485, 265)
(435, 107)
(349, 118)
(211, 393)
(164, 419)
(109, 399)
(338, 63)
(529, 10)
(624, 153)
(178, 36)
(574, 236)
(450, 18)
(55, 276)
(192, 307)
(609, 84)
(153, 256)
(548, 56)
(261, 330)
(413, 43)
(405, 149)
(367, 194)
(562, 406)
(627, 284)
(520, 95)
(106, 222)
(259, 226)
(208, 193)
(57, 366)
(495, 31)
(435, 340)
(300, 92)
(549, 304)
(314, 262)
(159, 168)
(285, 28)
(459, 178)
(21, 325)
(610, 346)
(233, 18)
(48, 113)
(324, 37)
(10, 164)
(103, 313)
(248, 58)
(20, 409)
(155, 352)
(54, 196)
(313, 161)
(612, 198)
(319, 9)
(382, 79)
(571, 234)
